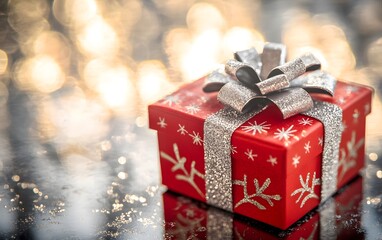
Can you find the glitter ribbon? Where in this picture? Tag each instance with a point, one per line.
(245, 94)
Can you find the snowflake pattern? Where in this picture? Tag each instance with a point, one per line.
(272, 160)
(343, 126)
(233, 149)
(257, 128)
(320, 141)
(307, 147)
(296, 160)
(182, 129)
(355, 115)
(341, 100)
(250, 154)
(196, 139)
(351, 89)
(306, 189)
(346, 162)
(193, 108)
(249, 198)
(282, 134)
(179, 164)
(305, 121)
(171, 99)
(366, 108)
(162, 122)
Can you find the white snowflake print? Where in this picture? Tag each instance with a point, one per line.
(259, 193)
(187, 176)
(346, 162)
(296, 160)
(196, 139)
(192, 108)
(341, 100)
(162, 122)
(257, 128)
(171, 99)
(320, 141)
(343, 126)
(305, 188)
(182, 129)
(233, 149)
(355, 115)
(351, 89)
(366, 108)
(305, 121)
(307, 147)
(250, 154)
(283, 134)
(272, 160)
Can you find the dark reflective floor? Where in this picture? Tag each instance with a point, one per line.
(76, 158)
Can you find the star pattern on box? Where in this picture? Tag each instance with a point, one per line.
(162, 122)
(348, 158)
(305, 121)
(196, 139)
(192, 108)
(366, 108)
(282, 134)
(351, 89)
(233, 149)
(182, 129)
(179, 165)
(305, 188)
(355, 115)
(296, 160)
(250, 154)
(320, 141)
(171, 99)
(259, 193)
(272, 160)
(256, 128)
(307, 147)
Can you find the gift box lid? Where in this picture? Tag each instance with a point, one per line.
(284, 141)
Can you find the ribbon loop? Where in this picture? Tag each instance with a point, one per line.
(282, 76)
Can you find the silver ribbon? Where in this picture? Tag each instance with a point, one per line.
(219, 127)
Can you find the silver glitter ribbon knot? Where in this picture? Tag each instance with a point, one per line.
(242, 88)
(244, 94)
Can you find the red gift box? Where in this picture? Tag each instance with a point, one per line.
(276, 163)
(338, 218)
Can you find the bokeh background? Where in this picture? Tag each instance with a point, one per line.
(76, 76)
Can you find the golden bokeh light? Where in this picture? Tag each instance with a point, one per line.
(204, 16)
(112, 81)
(40, 73)
(74, 13)
(3, 61)
(98, 39)
(152, 80)
(240, 38)
(374, 55)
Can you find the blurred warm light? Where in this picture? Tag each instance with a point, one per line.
(202, 56)
(374, 55)
(122, 175)
(74, 12)
(112, 81)
(373, 156)
(204, 16)
(328, 40)
(152, 80)
(41, 73)
(24, 14)
(98, 38)
(239, 38)
(76, 119)
(55, 45)
(3, 61)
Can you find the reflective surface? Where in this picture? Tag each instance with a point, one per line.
(77, 160)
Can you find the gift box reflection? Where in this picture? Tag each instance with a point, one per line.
(338, 218)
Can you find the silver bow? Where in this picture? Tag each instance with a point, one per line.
(242, 86)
